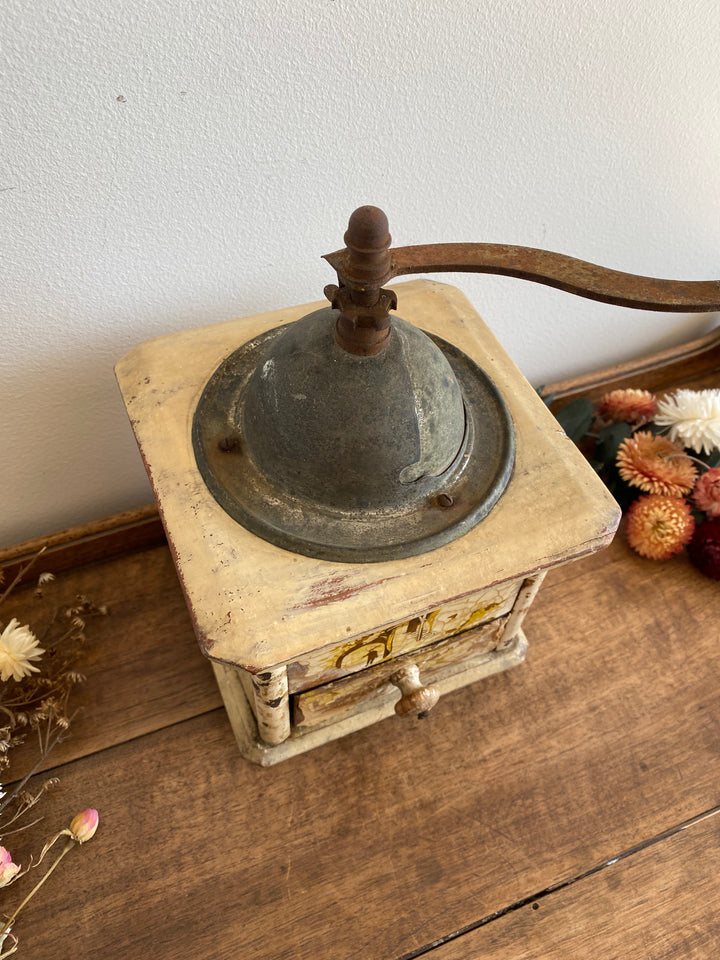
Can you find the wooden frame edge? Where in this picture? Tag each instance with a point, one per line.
(86, 543)
(691, 363)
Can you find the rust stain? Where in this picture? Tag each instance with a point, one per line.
(334, 590)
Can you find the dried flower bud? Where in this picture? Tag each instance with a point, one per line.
(8, 869)
(45, 578)
(84, 825)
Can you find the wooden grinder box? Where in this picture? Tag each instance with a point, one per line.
(307, 650)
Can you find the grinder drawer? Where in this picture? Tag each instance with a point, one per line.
(338, 699)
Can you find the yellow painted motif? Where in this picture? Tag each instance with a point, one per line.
(439, 623)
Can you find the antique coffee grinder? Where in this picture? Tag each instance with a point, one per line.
(361, 508)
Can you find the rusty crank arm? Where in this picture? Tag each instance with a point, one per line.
(368, 262)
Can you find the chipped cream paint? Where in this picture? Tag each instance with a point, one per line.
(336, 700)
(260, 610)
(390, 641)
(257, 606)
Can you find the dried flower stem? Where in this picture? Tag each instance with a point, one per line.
(21, 573)
(687, 456)
(8, 925)
(21, 783)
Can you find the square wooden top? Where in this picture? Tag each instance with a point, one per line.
(256, 605)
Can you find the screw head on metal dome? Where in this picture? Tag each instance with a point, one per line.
(356, 438)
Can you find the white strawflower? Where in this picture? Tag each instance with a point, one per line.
(18, 646)
(693, 417)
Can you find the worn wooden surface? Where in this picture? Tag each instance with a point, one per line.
(396, 837)
(428, 839)
(615, 913)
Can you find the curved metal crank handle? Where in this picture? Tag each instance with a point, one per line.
(368, 262)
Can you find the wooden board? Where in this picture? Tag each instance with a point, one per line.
(692, 366)
(614, 913)
(142, 663)
(379, 844)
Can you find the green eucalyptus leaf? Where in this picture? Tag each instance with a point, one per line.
(609, 440)
(576, 418)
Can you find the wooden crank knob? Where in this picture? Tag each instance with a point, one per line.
(417, 700)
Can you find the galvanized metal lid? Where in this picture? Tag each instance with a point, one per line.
(346, 436)
(353, 458)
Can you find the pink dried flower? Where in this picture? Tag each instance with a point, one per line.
(706, 495)
(84, 825)
(8, 869)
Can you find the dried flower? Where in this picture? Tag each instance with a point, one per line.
(37, 702)
(658, 527)
(8, 869)
(18, 646)
(704, 549)
(693, 417)
(655, 465)
(84, 825)
(627, 406)
(82, 828)
(706, 495)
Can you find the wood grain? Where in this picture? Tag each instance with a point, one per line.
(143, 666)
(694, 366)
(660, 903)
(379, 844)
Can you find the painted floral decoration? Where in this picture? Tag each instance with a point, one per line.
(660, 457)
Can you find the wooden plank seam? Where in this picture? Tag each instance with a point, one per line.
(533, 898)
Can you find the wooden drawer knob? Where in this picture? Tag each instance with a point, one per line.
(417, 700)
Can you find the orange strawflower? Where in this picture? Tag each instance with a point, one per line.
(658, 527)
(656, 465)
(706, 495)
(627, 406)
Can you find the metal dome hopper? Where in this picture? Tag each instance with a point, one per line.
(351, 436)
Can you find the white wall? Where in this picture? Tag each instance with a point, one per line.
(169, 163)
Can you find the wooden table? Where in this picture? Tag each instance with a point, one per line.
(565, 809)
